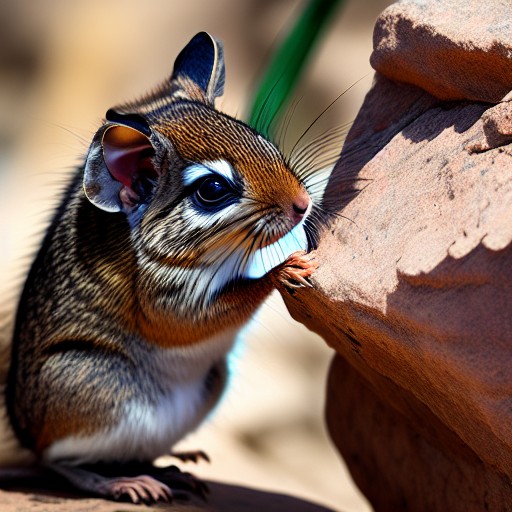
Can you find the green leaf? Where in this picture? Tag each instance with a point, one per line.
(284, 70)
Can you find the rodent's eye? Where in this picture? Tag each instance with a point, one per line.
(212, 192)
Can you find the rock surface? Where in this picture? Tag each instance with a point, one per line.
(414, 289)
(225, 498)
(453, 49)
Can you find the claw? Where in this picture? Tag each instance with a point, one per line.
(193, 484)
(183, 481)
(191, 456)
(139, 488)
(297, 268)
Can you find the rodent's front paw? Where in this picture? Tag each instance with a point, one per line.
(297, 268)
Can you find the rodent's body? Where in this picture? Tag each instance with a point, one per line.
(162, 249)
(80, 348)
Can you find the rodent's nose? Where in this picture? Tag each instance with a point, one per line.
(300, 206)
(299, 209)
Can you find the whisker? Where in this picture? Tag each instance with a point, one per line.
(330, 134)
(319, 153)
(71, 130)
(336, 134)
(310, 127)
(264, 109)
(212, 236)
(284, 125)
(240, 222)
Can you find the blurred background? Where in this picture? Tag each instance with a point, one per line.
(62, 65)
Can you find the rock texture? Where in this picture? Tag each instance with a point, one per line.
(415, 285)
(453, 49)
(225, 498)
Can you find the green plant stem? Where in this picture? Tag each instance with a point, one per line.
(288, 62)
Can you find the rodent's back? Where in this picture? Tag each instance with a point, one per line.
(82, 273)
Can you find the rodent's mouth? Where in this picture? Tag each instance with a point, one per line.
(277, 252)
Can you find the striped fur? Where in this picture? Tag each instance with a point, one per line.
(133, 285)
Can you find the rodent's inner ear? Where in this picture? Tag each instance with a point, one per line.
(122, 174)
(127, 154)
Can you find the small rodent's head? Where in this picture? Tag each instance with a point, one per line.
(209, 200)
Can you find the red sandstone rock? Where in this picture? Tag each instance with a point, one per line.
(454, 49)
(415, 291)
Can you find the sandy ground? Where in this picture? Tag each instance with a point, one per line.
(62, 64)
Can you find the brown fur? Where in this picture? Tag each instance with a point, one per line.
(93, 304)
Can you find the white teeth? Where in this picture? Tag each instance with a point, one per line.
(269, 257)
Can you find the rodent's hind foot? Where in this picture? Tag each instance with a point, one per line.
(296, 269)
(142, 488)
(162, 485)
(137, 489)
(182, 481)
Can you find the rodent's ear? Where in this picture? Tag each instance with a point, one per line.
(202, 62)
(119, 173)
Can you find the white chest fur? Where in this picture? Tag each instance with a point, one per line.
(149, 426)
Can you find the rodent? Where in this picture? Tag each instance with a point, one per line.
(178, 225)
